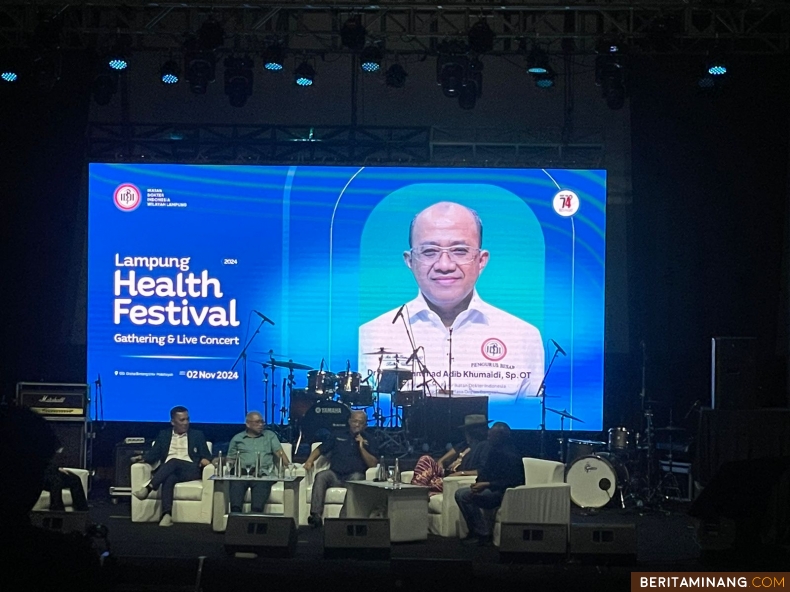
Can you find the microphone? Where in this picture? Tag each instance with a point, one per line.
(321, 368)
(98, 380)
(264, 317)
(559, 349)
(348, 367)
(399, 313)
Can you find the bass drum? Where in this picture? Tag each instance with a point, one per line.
(325, 414)
(594, 480)
(301, 401)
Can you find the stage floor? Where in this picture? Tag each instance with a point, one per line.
(150, 557)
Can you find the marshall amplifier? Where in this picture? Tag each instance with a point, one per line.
(54, 399)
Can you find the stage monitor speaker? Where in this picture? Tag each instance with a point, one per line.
(733, 373)
(436, 419)
(60, 521)
(122, 475)
(614, 544)
(270, 536)
(71, 435)
(536, 540)
(357, 538)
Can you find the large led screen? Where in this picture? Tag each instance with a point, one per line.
(365, 284)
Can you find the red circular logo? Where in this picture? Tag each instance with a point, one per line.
(494, 349)
(127, 197)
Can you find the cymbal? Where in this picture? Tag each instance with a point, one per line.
(290, 364)
(671, 428)
(564, 413)
(384, 352)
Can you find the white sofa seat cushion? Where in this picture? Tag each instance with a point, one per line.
(186, 491)
(335, 495)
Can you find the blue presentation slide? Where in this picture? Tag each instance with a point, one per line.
(373, 287)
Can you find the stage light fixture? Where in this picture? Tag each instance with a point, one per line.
(9, 75)
(481, 37)
(352, 34)
(545, 80)
(238, 79)
(370, 60)
(170, 73)
(706, 81)
(273, 59)
(537, 61)
(717, 67)
(451, 77)
(117, 61)
(610, 75)
(200, 70)
(304, 74)
(104, 87)
(395, 76)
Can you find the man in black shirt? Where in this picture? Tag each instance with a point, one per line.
(351, 454)
(503, 468)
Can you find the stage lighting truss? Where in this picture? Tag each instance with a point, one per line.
(460, 77)
(304, 74)
(273, 59)
(238, 79)
(352, 34)
(395, 76)
(370, 58)
(170, 72)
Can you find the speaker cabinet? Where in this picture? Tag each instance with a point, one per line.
(733, 373)
(357, 538)
(436, 419)
(270, 536)
(122, 475)
(604, 543)
(538, 540)
(60, 521)
(71, 435)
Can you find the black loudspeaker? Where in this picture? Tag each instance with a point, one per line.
(532, 541)
(733, 373)
(122, 475)
(357, 538)
(71, 435)
(604, 543)
(436, 419)
(270, 536)
(60, 521)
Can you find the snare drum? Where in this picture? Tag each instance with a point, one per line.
(594, 480)
(618, 439)
(321, 383)
(582, 448)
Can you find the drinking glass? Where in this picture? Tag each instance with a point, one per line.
(391, 476)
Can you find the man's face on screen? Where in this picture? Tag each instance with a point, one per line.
(180, 422)
(447, 229)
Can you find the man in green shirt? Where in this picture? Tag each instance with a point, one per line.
(248, 444)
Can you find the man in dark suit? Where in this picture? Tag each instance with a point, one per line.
(183, 454)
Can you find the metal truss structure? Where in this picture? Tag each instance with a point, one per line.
(419, 28)
(374, 145)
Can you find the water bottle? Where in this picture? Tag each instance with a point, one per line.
(237, 466)
(220, 465)
(258, 464)
(381, 474)
(396, 476)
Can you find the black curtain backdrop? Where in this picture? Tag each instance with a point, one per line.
(42, 150)
(707, 226)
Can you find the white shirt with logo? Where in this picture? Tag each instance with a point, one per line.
(179, 448)
(494, 353)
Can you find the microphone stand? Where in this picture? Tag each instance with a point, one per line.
(542, 395)
(243, 355)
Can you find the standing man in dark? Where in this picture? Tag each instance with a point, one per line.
(183, 454)
(351, 454)
(503, 468)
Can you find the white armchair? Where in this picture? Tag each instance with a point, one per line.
(335, 496)
(44, 499)
(444, 517)
(545, 499)
(192, 500)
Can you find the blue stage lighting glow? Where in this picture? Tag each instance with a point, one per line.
(118, 64)
(273, 66)
(169, 78)
(717, 70)
(9, 76)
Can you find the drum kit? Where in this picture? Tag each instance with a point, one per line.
(327, 399)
